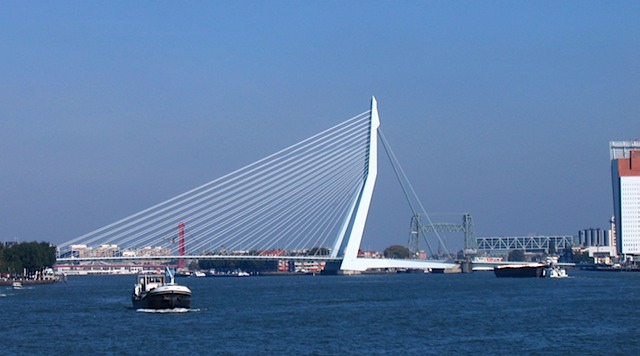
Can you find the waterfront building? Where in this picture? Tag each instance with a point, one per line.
(594, 237)
(625, 176)
(613, 241)
(153, 251)
(8, 244)
(602, 254)
(106, 250)
(301, 266)
(79, 251)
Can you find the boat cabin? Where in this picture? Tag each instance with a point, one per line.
(150, 281)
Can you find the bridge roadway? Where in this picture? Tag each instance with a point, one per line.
(196, 257)
(370, 263)
(373, 263)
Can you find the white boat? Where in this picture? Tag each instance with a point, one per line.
(152, 292)
(555, 272)
(236, 273)
(16, 285)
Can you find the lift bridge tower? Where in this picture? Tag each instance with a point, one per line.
(418, 231)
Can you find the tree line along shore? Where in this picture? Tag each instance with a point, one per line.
(26, 260)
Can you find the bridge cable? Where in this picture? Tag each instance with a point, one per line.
(402, 178)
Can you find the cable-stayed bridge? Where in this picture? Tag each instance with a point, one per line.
(306, 202)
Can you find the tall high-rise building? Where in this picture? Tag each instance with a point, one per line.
(625, 175)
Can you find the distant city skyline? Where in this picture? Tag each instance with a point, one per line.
(502, 110)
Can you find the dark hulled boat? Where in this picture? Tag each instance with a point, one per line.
(530, 271)
(152, 292)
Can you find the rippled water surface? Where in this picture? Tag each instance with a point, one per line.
(403, 314)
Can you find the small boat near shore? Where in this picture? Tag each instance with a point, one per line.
(16, 285)
(611, 268)
(45, 276)
(555, 272)
(153, 292)
(236, 273)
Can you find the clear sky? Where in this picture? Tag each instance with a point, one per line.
(503, 109)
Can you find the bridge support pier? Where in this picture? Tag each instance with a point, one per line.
(466, 266)
(333, 268)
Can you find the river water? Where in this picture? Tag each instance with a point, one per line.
(399, 314)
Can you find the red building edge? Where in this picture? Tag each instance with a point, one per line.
(629, 166)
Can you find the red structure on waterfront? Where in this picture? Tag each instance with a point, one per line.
(181, 243)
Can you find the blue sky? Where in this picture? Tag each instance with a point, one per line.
(502, 109)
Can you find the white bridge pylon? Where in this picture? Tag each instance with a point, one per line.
(311, 197)
(356, 221)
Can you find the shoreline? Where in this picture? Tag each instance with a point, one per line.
(26, 281)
